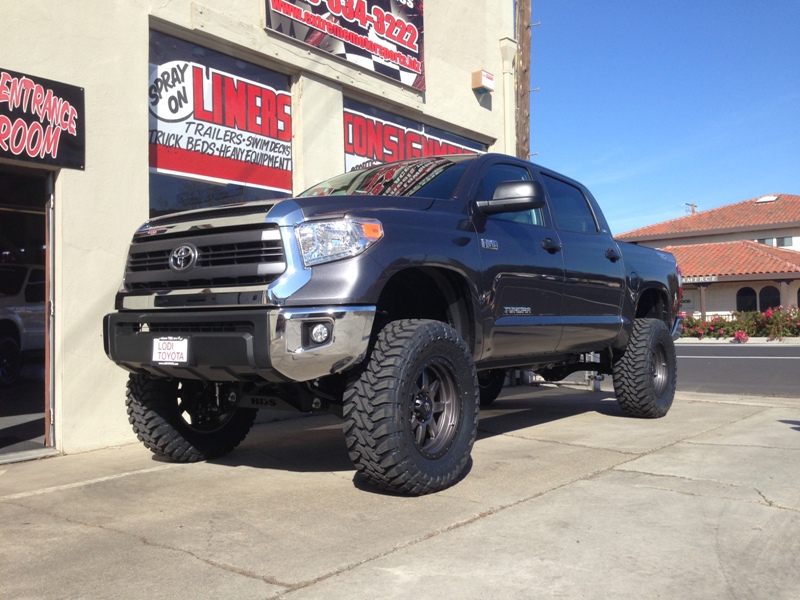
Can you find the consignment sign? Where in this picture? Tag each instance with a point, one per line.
(374, 136)
(383, 36)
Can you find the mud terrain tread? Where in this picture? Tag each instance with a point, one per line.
(373, 413)
(152, 413)
(633, 381)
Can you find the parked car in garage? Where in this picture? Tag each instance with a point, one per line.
(22, 317)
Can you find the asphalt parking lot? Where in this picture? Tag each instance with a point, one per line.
(565, 497)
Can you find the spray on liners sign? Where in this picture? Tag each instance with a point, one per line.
(384, 36)
(219, 127)
(41, 121)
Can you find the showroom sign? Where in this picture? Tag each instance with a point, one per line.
(220, 127)
(41, 121)
(383, 36)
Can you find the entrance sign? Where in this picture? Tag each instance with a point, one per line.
(41, 121)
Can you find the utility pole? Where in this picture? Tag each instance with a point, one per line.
(523, 78)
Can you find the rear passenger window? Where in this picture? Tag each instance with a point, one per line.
(569, 205)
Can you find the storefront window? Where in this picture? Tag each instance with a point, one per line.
(220, 128)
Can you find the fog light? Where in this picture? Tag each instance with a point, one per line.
(320, 333)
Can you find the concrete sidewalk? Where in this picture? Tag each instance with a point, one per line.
(565, 497)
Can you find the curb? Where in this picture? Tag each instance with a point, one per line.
(750, 342)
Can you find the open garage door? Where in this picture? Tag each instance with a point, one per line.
(24, 310)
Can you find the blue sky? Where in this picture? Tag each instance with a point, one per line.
(653, 103)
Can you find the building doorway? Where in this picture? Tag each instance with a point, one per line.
(24, 315)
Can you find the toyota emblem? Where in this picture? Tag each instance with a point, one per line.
(183, 257)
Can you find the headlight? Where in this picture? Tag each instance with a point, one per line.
(324, 241)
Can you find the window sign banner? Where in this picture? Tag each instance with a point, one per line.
(214, 125)
(373, 136)
(41, 121)
(383, 36)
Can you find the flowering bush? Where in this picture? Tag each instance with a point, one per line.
(741, 336)
(774, 323)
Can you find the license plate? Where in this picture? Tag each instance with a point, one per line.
(170, 351)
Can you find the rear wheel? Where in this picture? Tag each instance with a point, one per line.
(490, 384)
(412, 416)
(646, 374)
(186, 421)
(10, 360)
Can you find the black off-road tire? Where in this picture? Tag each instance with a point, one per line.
(412, 416)
(10, 360)
(490, 384)
(646, 374)
(183, 421)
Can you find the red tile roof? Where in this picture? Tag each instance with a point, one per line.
(750, 215)
(734, 258)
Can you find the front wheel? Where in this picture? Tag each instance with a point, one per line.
(186, 421)
(646, 374)
(412, 416)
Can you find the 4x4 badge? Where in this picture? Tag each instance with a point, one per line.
(183, 257)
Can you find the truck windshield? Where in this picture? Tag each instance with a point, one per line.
(426, 177)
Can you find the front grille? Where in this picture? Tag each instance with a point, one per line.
(177, 284)
(227, 258)
(215, 255)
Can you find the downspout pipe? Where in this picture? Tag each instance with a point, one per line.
(508, 50)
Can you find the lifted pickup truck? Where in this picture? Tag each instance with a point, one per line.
(396, 296)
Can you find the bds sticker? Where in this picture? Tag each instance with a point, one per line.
(171, 351)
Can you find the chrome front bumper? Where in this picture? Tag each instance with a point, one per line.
(295, 356)
(271, 344)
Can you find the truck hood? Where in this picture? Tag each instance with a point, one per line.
(287, 211)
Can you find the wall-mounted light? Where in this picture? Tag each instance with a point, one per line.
(482, 82)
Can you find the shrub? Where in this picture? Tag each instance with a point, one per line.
(773, 323)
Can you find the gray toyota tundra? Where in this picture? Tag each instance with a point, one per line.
(396, 296)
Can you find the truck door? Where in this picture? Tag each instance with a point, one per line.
(522, 273)
(594, 274)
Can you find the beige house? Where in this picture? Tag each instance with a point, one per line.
(742, 256)
(114, 111)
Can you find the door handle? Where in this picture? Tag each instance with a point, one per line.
(613, 255)
(551, 245)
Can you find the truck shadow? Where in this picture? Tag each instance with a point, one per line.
(313, 444)
(524, 407)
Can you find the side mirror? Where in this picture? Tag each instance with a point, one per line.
(513, 196)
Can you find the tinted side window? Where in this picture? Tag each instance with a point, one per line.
(572, 211)
(497, 174)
